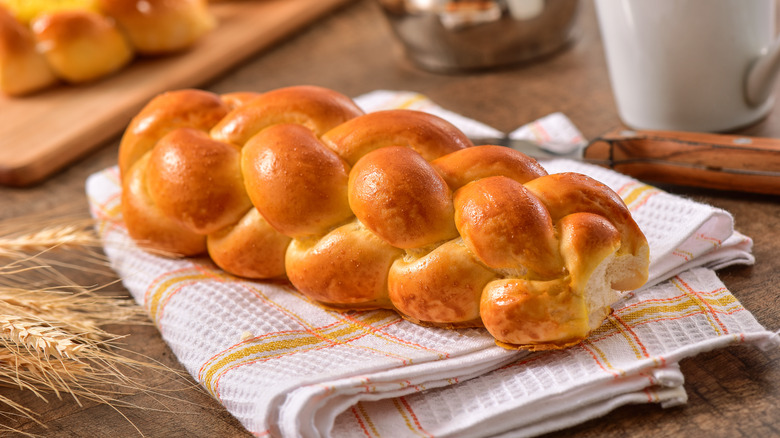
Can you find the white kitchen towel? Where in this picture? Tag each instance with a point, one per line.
(632, 358)
(285, 366)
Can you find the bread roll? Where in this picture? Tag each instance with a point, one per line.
(160, 26)
(401, 198)
(317, 267)
(78, 41)
(441, 287)
(81, 46)
(204, 198)
(22, 68)
(287, 161)
(250, 248)
(393, 209)
(166, 112)
(152, 229)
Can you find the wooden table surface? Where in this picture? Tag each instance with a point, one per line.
(732, 391)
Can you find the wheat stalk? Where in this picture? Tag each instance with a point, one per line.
(51, 237)
(69, 308)
(52, 339)
(44, 340)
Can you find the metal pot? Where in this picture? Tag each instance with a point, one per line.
(456, 35)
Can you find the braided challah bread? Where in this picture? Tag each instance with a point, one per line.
(44, 41)
(393, 209)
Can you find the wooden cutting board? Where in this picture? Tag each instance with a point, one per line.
(42, 133)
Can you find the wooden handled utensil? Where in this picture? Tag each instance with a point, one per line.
(717, 161)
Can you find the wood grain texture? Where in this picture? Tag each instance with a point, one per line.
(733, 391)
(41, 133)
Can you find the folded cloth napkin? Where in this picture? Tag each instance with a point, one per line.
(285, 366)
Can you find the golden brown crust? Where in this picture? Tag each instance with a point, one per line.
(22, 68)
(195, 109)
(360, 217)
(148, 226)
(316, 108)
(197, 181)
(470, 164)
(567, 193)
(85, 43)
(160, 26)
(81, 46)
(398, 196)
(506, 227)
(238, 98)
(316, 267)
(15, 38)
(287, 162)
(521, 312)
(428, 135)
(440, 288)
(251, 248)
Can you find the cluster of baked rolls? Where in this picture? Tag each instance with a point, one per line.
(43, 42)
(392, 209)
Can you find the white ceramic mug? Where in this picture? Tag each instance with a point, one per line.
(690, 65)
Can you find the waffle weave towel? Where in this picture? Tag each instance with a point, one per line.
(285, 366)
